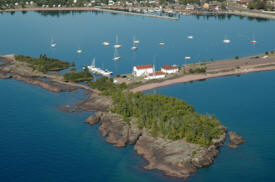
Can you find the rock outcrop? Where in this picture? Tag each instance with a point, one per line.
(116, 131)
(95, 103)
(235, 140)
(45, 85)
(67, 108)
(4, 76)
(176, 158)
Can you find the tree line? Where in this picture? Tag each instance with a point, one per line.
(163, 116)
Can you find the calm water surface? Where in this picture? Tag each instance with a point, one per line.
(31, 33)
(41, 143)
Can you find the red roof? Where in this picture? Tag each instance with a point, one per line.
(141, 67)
(168, 67)
(157, 73)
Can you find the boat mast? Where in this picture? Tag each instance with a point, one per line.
(93, 62)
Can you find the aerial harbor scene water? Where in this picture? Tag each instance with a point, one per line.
(139, 91)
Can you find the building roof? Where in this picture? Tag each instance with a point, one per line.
(169, 67)
(141, 67)
(156, 73)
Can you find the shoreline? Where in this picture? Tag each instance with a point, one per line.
(245, 13)
(222, 71)
(90, 9)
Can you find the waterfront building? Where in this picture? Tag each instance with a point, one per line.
(155, 75)
(143, 70)
(190, 7)
(206, 6)
(111, 3)
(168, 69)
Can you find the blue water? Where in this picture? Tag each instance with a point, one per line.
(41, 143)
(30, 34)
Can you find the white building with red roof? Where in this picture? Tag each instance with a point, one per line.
(143, 70)
(155, 75)
(169, 69)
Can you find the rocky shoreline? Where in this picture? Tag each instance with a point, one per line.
(174, 158)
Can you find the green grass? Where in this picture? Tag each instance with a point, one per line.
(43, 63)
(75, 76)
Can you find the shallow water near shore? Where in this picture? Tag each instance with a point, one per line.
(41, 143)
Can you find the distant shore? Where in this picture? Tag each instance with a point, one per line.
(216, 69)
(246, 13)
(90, 9)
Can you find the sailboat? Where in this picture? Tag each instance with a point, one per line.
(253, 41)
(92, 67)
(106, 43)
(226, 41)
(117, 46)
(100, 71)
(136, 41)
(53, 44)
(134, 47)
(116, 57)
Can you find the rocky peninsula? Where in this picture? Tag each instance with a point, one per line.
(173, 154)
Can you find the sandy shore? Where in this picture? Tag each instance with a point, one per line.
(217, 69)
(89, 9)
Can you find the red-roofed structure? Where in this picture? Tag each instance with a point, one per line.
(143, 70)
(142, 67)
(155, 75)
(169, 69)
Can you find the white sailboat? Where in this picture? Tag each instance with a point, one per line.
(117, 46)
(106, 43)
(92, 67)
(116, 57)
(96, 70)
(53, 44)
(226, 40)
(134, 47)
(136, 41)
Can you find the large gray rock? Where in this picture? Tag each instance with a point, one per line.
(235, 140)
